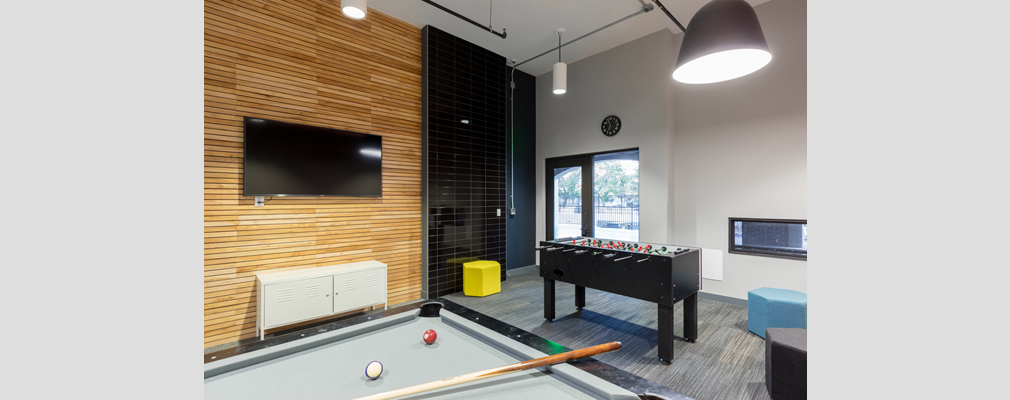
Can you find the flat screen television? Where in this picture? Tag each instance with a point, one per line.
(286, 159)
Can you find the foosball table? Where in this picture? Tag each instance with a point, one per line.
(658, 273)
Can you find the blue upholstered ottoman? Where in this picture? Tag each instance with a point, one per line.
(775, 308)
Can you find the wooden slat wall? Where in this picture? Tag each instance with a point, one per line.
(303, 61)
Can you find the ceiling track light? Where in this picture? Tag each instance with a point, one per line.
(560, 71)
(356, 9)
(723, 41)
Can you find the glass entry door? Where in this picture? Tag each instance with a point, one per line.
(569, 205)
(615, 196)
(593, 195)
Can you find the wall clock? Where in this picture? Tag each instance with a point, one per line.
(611, 125)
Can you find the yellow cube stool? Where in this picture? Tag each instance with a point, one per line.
(481, 278)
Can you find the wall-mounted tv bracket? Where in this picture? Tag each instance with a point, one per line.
(259, 202)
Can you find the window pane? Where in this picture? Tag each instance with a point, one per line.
(615, 196)
(776, 238)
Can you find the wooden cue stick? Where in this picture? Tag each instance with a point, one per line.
(493, 372)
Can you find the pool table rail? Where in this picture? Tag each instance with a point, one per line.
(290, 342)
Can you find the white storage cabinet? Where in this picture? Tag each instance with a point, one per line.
(284, 298)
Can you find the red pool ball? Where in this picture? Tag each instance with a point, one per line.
(429, 336)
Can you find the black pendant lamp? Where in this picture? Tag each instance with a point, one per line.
(723, 41)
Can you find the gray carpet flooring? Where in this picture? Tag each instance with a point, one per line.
(726, 362)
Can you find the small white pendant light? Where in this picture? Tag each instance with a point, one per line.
(560, 71)
(560, 77)
(723, 41)
(354, 8)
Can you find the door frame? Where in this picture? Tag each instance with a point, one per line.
(586, 163)
(577, 160)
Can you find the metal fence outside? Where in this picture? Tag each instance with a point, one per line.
(606, 216)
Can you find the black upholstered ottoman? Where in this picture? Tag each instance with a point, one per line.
(786, 363)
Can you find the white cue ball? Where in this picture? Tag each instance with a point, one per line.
(373, 370)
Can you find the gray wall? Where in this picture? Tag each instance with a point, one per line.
(621, 81)
(741, 152)
(729, 149)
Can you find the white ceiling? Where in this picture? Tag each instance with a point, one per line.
(531, 25)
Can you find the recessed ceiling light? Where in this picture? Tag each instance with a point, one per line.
(354, 8)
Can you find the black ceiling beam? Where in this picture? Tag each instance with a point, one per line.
(661, 7)
(457, 15)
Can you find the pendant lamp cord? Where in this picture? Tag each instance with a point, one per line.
(512, 140)
(559, 46)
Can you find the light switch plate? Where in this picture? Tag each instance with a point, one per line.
(499, 212)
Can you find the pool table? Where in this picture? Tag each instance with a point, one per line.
(328, 361)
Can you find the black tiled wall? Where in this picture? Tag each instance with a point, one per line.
(465, 178)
